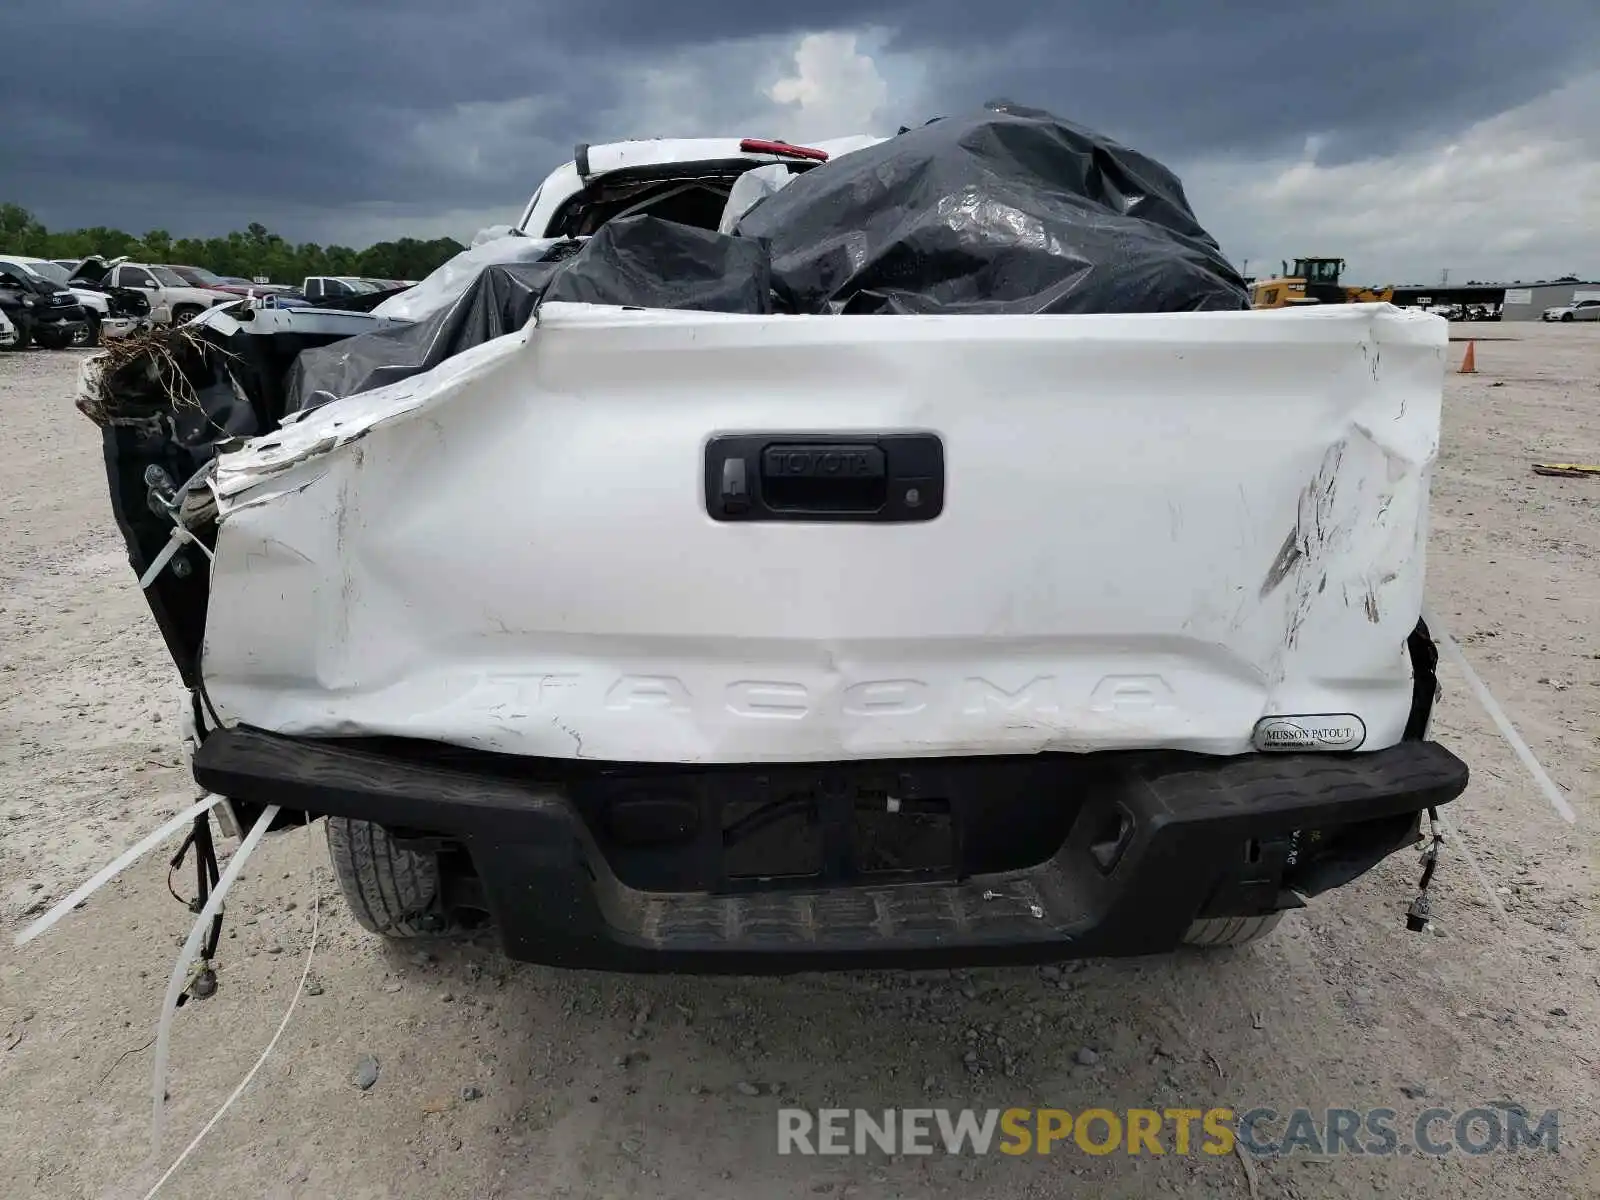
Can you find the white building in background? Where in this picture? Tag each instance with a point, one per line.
(1527, 301)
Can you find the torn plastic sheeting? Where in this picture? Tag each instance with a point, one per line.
(441, 288)
(493, 233)
(499, 301)
(753, 186)
(647, 262)
(642, 261)
(1012, 211)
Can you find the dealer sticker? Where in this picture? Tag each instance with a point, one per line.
(1318, 731)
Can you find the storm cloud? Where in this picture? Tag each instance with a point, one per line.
(1408, 136)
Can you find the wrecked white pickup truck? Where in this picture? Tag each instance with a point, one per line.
(933, 562)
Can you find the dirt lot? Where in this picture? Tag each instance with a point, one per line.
(500, 1080)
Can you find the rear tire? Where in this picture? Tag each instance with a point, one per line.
(89, 336)
(1216, 933)
(391, 891)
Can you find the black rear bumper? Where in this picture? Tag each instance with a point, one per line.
(1144, 843)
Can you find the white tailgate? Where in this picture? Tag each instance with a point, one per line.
(1157, 530)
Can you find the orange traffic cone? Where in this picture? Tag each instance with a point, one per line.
(1469, 364)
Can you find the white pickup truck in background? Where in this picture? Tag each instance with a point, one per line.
(172, 299)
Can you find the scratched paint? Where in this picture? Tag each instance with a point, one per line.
(1225, 509)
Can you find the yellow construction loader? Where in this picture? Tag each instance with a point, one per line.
(1312, 281)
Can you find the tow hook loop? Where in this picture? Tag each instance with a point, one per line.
(1421, 910)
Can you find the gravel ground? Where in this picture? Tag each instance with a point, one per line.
(493, 1079)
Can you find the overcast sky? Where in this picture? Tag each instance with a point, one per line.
(1408, 136)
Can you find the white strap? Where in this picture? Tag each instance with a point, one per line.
(98, 880)
(1502, 722)
(180, 969)
(294, 1001)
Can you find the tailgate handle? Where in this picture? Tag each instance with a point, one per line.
(848, 477)
(824, 478)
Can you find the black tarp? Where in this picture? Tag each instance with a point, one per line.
(639, 261)
(1008, 210)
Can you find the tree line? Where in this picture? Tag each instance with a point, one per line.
(253, 252)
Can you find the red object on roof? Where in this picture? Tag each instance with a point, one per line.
(763, 146)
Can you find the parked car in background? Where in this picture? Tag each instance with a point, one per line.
(234, 285)
(173, 300)
(200, 277)
(8, 331)
(324, 288)
(107, 314)
(286, 292)
(1578, 310)
(320, 289)
(40, 311)
(256, 286)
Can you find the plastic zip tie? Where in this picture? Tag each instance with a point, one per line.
(180, 531)
(1452, 651)
(180, 537)
(180, 970)
(174, 543)
(294, 1002)
(104, 875)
